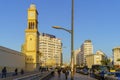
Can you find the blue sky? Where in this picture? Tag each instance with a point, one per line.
(97, 20)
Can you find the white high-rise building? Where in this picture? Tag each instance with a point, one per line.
(86, 49)
(81, 59)
(77, 56)
(50, 48)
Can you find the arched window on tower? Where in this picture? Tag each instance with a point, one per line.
(29, 25)
(32, 25)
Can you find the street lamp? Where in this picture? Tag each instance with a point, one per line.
(72, 39)
(58, 27)
(72, 51)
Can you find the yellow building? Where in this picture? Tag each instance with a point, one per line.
(30, 47)
(37, 53)
(95, 59)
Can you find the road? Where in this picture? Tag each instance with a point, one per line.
(77, 76)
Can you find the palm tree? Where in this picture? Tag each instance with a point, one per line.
(105, 62)
(118, 59)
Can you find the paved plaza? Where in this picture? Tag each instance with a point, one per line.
(77, 76)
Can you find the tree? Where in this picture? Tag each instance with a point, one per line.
(105, 62)
(40, 54)
(118, 59)
(51, 62)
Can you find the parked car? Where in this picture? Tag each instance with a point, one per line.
(77, 70)
(85, 71)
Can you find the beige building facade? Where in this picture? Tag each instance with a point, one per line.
(95, 59)
(81, 59)
(11, 59)
(86, 49)
(116, 56)
(77, 57)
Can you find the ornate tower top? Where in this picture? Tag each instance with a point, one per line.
(32, 6)
(32, 18)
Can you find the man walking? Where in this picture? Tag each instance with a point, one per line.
(4, 71)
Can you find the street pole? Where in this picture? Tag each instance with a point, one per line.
(72, 41)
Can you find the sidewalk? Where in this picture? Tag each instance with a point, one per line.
(77, 76)
(26, 74)
(10, 76)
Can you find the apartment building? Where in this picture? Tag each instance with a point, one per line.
(77, 56)
(95, 59)
(86, 49)
(116, 56)
(50, 48)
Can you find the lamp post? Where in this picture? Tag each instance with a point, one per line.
(72, 39)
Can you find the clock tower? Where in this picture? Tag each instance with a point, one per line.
(31, 45)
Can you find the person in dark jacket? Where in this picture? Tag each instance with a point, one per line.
(22, 71)
(66, 74)
(59, 72)
(4, 72)
(16, 71)
(102, 73)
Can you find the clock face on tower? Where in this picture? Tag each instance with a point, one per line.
(31, 15)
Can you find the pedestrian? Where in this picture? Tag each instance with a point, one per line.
(102, 75)
(90, 72)
(66, 74)
(52, 73)
(59, 72)
(63, 70)
(39, 68)
(42, 69)
(22, 71)
(4, 71)
(16, 71)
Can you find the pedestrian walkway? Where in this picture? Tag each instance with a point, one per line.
(77, 76)
(27, 75)
(10, 76)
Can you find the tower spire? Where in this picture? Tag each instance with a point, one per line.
(32, 18)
